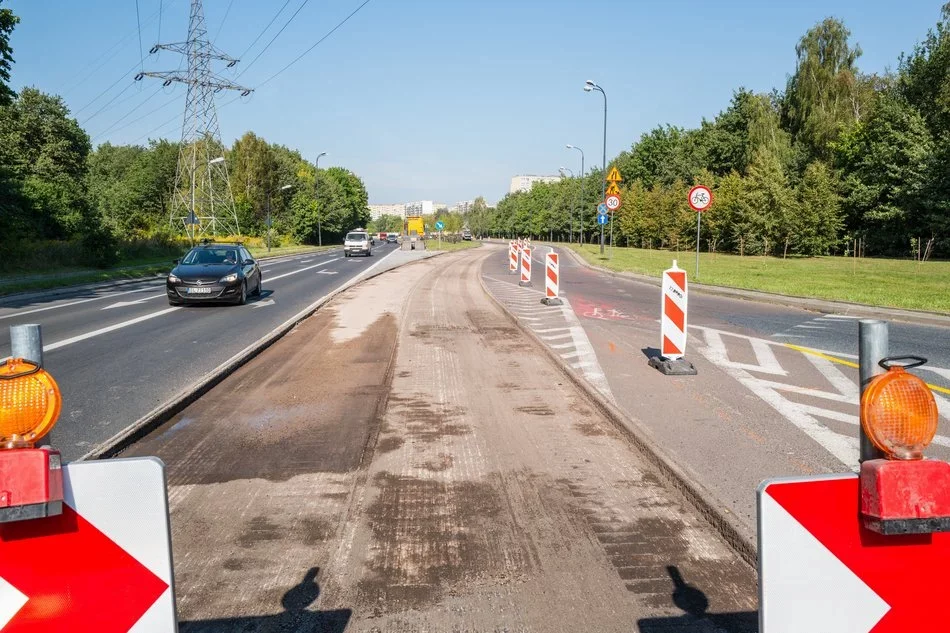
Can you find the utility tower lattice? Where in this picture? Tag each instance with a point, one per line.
(202, 195)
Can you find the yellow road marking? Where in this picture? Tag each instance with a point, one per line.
(848, 363)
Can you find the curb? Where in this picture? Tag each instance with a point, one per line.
(96, 285)
(696, 494)
(917, 317)
(164, 412)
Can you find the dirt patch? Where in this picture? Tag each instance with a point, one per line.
(442, 462)
(590, 429)
(390, 444)
(430, 537)
(424, 420)
(257, 530)
(508, 387)
(536, 409)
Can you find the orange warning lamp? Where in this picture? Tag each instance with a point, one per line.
(31, 479)
(905, 493)
(898, 411)
(30, 403)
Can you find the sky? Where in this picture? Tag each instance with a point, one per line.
(439, 100)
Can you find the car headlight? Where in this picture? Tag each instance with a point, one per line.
(228, 278)
(172, 279)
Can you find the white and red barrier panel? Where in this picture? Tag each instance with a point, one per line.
(525, 265)
(551, 276)
(512, 257)
(673, 313)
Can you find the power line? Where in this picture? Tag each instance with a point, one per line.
(264, 50)
(136, 120)
(264, 30)
(223, 20)
(108, 103)
(318, 42)
(138, 22)
(103, 93)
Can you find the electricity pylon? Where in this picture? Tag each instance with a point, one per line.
(202, 195)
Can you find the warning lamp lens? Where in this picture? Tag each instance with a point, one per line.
(30, 403)
(899, 414)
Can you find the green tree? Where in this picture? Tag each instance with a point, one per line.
(817, 219)
(822, 96)
(8, 22)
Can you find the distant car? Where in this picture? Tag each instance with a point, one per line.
(466, 234)
(357, 243)
(214, 272)
(391, 238)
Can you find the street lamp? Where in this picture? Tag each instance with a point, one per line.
(269, 221)
(588, 87)
(315, 187)
(216, 161)
(583, 184)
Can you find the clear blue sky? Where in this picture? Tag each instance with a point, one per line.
(445, 99)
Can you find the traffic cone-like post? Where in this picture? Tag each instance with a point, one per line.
(673, 308)
(551, 280)
(512, 257)
(525, 267)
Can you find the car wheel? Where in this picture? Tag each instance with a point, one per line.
(260, 286)
(243, 298)
(345, 254)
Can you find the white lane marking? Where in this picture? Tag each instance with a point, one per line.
(328, 272)
(306, 261)
(261, 304)
(806, 391)
(717, 353)
(556, 337)
(561, 345)
(300, 270)
(11, 601)
(845, 386)
(842, 317)
(264, 270)
(74, 303)
(570, 355)
(812, 327)
(790, 335)
(123, 304)
(107, 329)
(553, 329)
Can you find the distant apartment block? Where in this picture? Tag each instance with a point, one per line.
(523, 184)
(423, 207)
(462, 207)
(378, 210)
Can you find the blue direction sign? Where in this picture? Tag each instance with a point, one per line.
(439, 225)
(602, 209)
(601, 219)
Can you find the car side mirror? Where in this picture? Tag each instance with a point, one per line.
(175, 262)
(248, 262)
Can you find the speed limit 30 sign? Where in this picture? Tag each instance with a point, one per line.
(612, 202)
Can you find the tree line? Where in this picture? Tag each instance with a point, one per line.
(55, 187)
(838, 157)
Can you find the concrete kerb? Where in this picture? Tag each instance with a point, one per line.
(164, 412)
(696, 494)
(824, 306)
(27, 295)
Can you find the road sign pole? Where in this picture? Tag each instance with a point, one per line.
(872, 347)
(699, 219)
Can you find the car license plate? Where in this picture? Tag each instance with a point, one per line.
(199, 291)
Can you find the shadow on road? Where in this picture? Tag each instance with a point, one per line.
(651, 352)
(695, 619)
(295, 616)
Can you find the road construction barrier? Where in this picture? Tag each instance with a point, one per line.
(525, 267)
(673, 313)
(551, 276)
(512, 257)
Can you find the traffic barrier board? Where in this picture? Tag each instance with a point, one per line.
(552, 272)
(512, 257)
(673, 313)
(104, 565)
(525, 267)
(821, 570)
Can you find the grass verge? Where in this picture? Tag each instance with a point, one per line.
(451, 246)
(890, 283)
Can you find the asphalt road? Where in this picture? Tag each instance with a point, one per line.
(758, 408)
(411, 461)
(119, 352)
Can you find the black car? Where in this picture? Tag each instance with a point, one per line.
(214, 272)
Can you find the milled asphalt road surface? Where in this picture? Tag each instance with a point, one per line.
(408, 460)
(757, 409)
(111, 377)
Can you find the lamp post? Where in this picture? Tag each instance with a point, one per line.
(581, 217)
(570, 239)
(269, 221)
(588, 87)
(319, 210)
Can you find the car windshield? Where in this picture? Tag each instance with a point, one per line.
(356, 237)
(211, 256)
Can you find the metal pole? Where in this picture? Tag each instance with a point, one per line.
(603, 185)
(319, 210)
(699, 219)
(268, 219)
(26, 342)
(872, 347)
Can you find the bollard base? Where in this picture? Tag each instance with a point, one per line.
(552, 301)
(673, 367)
(524, 284)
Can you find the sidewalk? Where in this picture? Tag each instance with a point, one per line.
(407, 460)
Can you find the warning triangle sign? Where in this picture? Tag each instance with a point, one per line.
(613, 189)
(614, 175)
